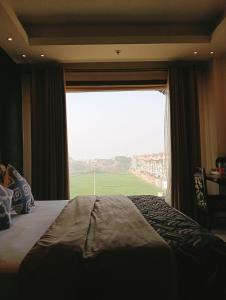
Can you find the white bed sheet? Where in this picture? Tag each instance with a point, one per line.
(16, 241)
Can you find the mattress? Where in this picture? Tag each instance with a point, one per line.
(16, 241)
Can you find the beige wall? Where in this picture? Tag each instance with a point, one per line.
(219, 93)
(212, 92)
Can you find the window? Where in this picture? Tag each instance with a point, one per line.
(116, 142)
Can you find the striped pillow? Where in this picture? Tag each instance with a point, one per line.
(6, 196)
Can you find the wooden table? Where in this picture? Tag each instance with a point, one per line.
(219, 179)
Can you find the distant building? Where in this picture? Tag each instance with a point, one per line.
(150, 167)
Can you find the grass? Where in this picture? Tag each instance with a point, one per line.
(110, 184)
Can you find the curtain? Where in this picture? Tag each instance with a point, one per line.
(185, 134)
(11, 134)
(49, 133)
(167, 146)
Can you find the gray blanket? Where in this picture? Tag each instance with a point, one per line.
(99, 248)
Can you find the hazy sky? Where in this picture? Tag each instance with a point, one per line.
(107, 124)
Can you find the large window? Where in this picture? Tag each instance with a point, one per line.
(116, 142)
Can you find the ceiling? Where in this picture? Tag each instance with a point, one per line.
(71, 31)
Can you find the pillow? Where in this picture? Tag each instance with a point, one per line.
(6, 196)
(22, 196)
(2, 173)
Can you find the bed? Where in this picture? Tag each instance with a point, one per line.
(200, 255)
(19, 239)
(179, 259)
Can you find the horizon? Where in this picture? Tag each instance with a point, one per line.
(140, 154)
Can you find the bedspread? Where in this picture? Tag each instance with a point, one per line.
(101, 247)
(200, 255)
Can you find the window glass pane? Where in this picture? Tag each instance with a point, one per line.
(116, 142)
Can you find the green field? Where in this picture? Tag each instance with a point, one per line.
(110, 184)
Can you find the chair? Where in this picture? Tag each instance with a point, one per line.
(207, 206)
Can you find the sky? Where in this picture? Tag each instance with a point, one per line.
(108, 124)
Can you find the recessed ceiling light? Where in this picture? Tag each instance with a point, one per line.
(42, 55)
(195, 52)
(24, 55)
(9, 39)
(211, 52)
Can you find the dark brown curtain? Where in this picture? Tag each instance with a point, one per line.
(11, 133)
(49, 133)
(185, 134)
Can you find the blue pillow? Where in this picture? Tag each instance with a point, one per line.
(22, 196)
(6, 196)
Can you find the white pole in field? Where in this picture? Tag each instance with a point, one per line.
(94, 181)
